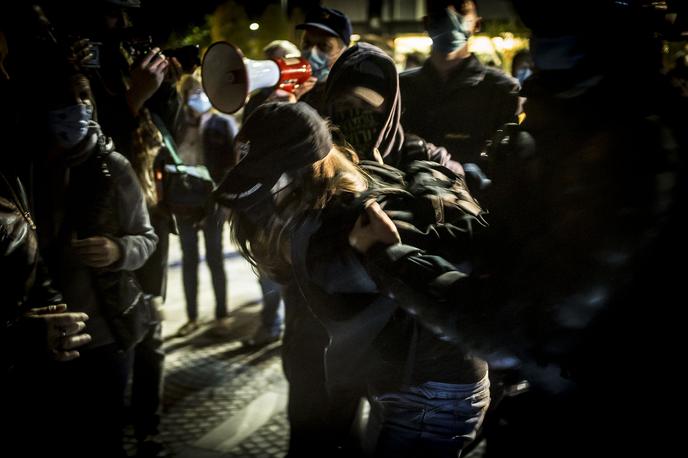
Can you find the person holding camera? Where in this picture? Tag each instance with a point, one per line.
(134, 87)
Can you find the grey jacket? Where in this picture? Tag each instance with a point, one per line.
(103, 198)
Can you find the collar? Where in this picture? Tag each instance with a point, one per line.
(470, 72)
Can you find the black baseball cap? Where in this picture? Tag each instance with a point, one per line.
(277, 137)
(329, 20)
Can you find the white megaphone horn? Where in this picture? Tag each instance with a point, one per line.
(228, 77)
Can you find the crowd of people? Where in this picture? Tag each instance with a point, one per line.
(473, 253)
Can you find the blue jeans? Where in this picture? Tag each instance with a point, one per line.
(433, 420)
(212, 233)
(272, 315)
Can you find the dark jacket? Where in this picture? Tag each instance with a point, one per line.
(356, 65)
(103, 197)
(369, 335)
(217, 133)
(24, 280)
(462, 112)
(582, 234)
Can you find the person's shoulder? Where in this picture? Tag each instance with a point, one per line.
(118, 165)
(410, 76)
(499, 79)
(224, 118)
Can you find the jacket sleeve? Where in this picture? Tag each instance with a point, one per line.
(138, 239)
(440, 155)
(42, 292)
(455, 306)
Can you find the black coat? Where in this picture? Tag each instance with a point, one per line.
(462, 112)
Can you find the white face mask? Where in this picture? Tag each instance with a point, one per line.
(199, 102)
(69, 125)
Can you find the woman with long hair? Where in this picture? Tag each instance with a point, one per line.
(306, 213)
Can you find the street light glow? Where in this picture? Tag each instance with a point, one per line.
(254, 26)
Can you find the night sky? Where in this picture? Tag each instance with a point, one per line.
(178, 16)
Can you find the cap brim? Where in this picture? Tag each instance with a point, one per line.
(241, 190)
(316, 25)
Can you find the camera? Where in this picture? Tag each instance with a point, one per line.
(94, 61)
(189, 57)
(139, 45)
(136, 44)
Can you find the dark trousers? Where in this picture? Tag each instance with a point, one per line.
(212, 233)
(147, 383)
(79, 410)
(149, 356)
(320, 420)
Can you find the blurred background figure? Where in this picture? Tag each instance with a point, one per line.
(454, 100)
(205, 137)
(522, 65)
(414, 60)
(281, 48)
(274, 50)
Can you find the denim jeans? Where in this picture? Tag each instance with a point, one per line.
(272, 315)
(212, 233)
(433, 419)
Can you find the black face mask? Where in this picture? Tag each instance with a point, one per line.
(261, 212)
(360, 126)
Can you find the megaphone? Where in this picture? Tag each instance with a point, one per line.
(228, 77)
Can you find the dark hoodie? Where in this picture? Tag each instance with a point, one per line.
(365, 65)
(368, 66)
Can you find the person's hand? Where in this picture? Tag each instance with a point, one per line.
(97, 251)
(146, 78)
(372, 227)
(280, 95)
(305, 87)
(61, 331)
(174, 71)
(81, 52)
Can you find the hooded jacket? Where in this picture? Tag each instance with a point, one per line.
(366, 65)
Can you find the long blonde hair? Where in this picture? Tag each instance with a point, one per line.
(146, 144)
(267, 247)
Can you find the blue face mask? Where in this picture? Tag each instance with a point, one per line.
(556, 53)
(199, 102)
(523, 73)
(448, 31)
(69, 125)
(318, 61)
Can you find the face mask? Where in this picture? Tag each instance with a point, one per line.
(69, 125)
(318, 61)
(448, 30)
(360, 127)
(199, 102)
(523, 73)
(557, 53)
(262, 212)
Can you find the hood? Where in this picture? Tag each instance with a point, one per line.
(366, 65)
